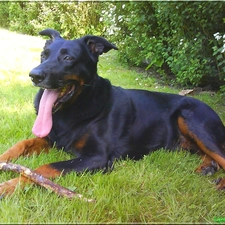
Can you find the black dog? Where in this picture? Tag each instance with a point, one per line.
(81, 112)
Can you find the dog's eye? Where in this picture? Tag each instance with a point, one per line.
(46, 52)
(68, 58)
(43, 57)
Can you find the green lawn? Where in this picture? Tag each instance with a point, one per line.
(161, 188)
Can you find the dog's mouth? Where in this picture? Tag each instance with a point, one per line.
(51, 101)
(64, 94)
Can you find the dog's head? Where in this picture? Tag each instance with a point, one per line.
(66, 62)
(67, 66)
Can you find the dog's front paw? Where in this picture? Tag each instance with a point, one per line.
(8, 187)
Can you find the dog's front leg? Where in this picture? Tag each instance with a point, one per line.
(8, 187)
(22, 148)
(56, 169)
(25, 147)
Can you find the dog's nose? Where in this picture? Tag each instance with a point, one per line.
(36, 76)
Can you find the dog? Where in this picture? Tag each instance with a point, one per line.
(82, 113)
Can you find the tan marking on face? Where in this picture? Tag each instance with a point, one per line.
(75, 78)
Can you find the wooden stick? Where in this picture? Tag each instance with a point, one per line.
(42, 181)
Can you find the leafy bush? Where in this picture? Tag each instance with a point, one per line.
(173, 37)
(181, 40)
(72, 19)
(4, 14)
(21, 16)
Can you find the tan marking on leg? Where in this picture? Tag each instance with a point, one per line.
(221, 184)
(81, 142)
(219, 159)
(25, 147)
(48, 171)
(184, 143)
(8, 187)
(185, 131)
(207, 162)
(182, 126)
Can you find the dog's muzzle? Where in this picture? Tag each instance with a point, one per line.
(37, 76)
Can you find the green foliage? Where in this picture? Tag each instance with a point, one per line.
(4, 14)
(72, 19)
(184, 41)
(189, 31)
(81, 19)
(21, 16)
(176, 38)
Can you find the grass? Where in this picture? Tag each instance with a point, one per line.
(161, 188)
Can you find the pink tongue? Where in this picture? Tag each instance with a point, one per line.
(43, 123)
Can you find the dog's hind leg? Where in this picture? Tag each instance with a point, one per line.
(25, 147)
(207, 143)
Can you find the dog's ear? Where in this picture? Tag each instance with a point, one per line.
(98, 45)
(53, 34)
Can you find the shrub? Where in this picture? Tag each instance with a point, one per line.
(173, 37)
(181, 40)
